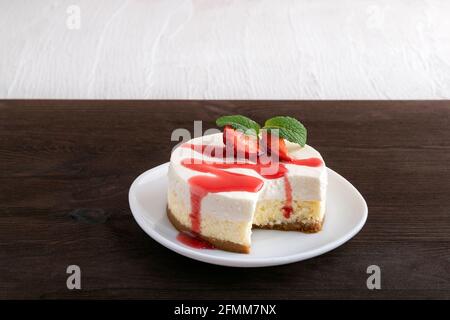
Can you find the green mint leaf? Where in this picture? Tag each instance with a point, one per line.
(239, 122)
(288, 128)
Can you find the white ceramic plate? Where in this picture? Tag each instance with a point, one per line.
(345, 215)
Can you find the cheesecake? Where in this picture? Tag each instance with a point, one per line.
(217, 194)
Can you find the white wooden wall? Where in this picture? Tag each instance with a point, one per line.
(176, 49)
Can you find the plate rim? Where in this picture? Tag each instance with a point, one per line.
(238, 262)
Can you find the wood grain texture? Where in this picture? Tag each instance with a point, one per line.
(66, 167)
(178, 49)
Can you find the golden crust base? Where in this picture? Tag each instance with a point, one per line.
(310, 227)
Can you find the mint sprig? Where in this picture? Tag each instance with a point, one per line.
(239, 122)
(288, 128)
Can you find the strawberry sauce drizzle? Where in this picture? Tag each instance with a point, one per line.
(287, 208)
(220, 180)
(193, 241)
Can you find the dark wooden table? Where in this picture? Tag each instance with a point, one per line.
(66, 167)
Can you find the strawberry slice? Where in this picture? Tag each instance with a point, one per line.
(282, 149)
(242, 144)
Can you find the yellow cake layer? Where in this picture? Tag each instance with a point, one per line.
(268, 213)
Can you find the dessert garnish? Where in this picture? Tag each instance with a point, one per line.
(242, 133)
